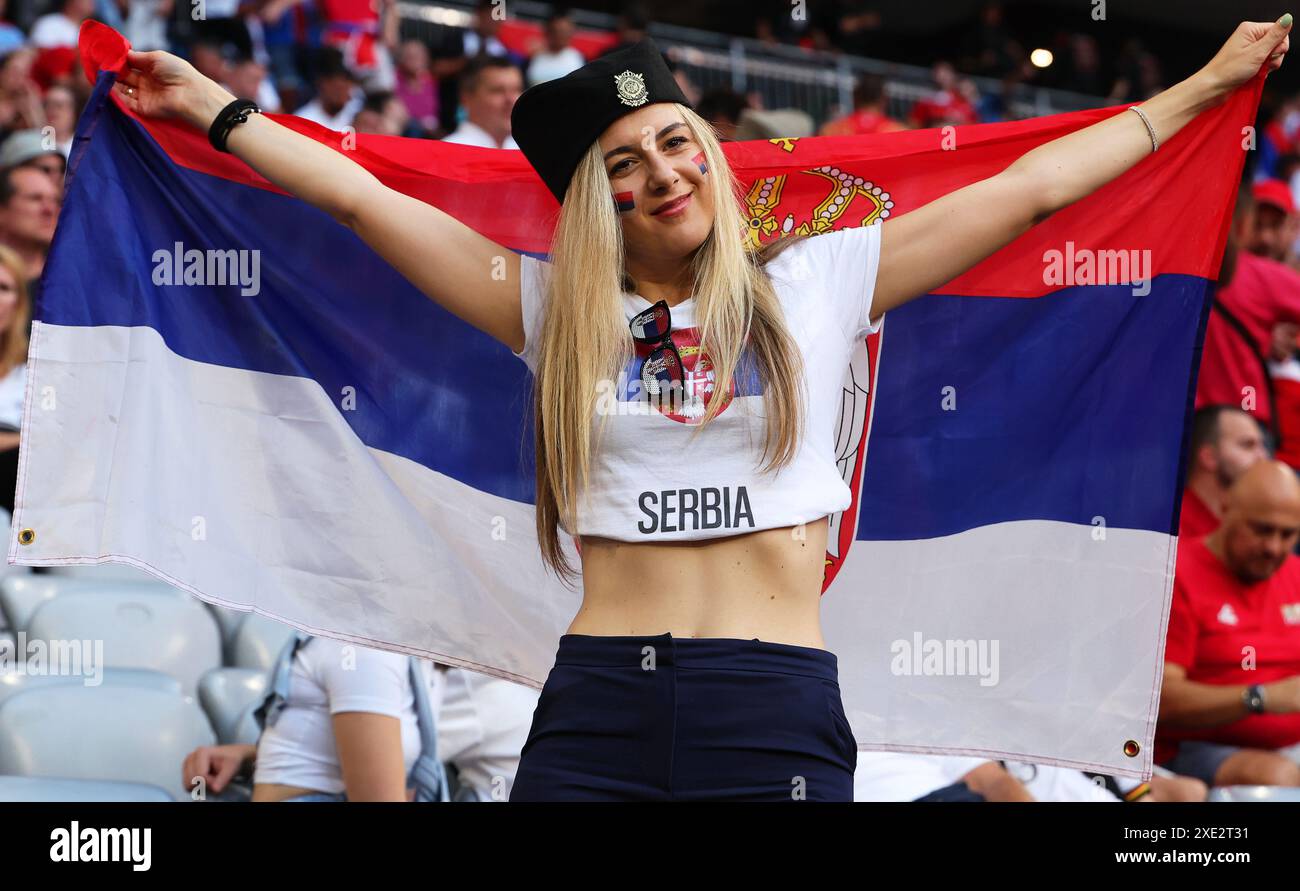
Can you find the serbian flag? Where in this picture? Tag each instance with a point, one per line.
(232, 392)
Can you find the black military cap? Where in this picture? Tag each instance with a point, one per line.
(556, 121)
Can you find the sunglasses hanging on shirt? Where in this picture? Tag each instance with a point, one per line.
(662, 373)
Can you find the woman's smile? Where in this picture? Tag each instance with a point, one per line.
(674, 208)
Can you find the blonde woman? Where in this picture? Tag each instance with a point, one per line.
(15, 325)
(695, 667)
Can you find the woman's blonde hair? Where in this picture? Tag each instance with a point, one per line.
(585, 342)
(13, 340)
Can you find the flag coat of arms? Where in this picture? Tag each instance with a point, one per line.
(232, 392)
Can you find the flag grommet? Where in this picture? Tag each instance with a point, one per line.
(1131, 748)
(26, 536)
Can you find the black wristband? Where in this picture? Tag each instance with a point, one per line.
(227, 119)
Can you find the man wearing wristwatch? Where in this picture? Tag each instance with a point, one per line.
(1230, 702)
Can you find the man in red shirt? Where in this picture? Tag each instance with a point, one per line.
(1259, 294)
(1230, 701)
(1225, 442)
(868, 111)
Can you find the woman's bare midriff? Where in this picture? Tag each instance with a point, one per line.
(764, 585)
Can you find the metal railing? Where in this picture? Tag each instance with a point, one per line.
(819, 83)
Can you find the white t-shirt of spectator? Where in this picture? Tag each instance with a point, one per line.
(1048, 783)
(299, 748)
(55, 29)
(548, 66)
(13, 393)
(473, 43)
(313, 111)
(903, 776)
(469, 133)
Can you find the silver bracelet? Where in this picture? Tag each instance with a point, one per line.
(1155, 143)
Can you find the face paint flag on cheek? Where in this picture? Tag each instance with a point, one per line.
(623, 202)
(699, 162)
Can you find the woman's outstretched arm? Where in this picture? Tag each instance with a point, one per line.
(447, 260)
(935, 243)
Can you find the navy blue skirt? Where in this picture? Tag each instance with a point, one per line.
(658, 718)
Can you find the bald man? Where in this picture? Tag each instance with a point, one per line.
(1230, 702)
(1225, 442)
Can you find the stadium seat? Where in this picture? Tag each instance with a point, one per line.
(119, 733)
(53, 789)
(14, 682)
(226, 694)
(21, 596)
(139, 629)
(228, 620)
(1254, 793)
(111, 572)
(258, 642)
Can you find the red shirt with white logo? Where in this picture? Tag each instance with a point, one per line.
(1196, 519)
(1219, 623)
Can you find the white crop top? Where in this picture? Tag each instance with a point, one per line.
(650, 482)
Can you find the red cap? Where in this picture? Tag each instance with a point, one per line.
(1274, 192)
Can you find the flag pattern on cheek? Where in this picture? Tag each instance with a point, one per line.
(624, 202)
(699, 162)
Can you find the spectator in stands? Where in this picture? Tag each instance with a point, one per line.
(1230, 702)
(20, 99)
(1138, 75)
(29, 209)
(60, 27)
(946, 106)
(868, 114)
(489, 88)
(246, 79)
(481, 39)
(210, 59)
(145, 25)
(222, 25)
(631, 26)
(362, 30)
(559, 56)
(382, 113)
(416, 86)
(36, 149)
(60, 107)
(1254, 295)
(1225, 442)
(291, 39)
(338, 98)
(722, 107)
(15, 324)
(1269, 231)
(348, 731)
(1284, 368)
(11, 36)
(901, 776)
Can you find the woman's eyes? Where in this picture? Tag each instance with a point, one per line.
(674, 142)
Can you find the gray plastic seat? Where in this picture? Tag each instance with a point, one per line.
(226, 694)
(1254, 793)
(21, 596)
(228, 620)
(258, 642)
(14, 682)
(111, 732)
(139, 629)
(112, 572)
(57, 789)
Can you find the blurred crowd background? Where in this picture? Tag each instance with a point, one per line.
(184, 686)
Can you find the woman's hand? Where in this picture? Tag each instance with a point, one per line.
(215, 765)
(1254, 45)
(159, 84)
